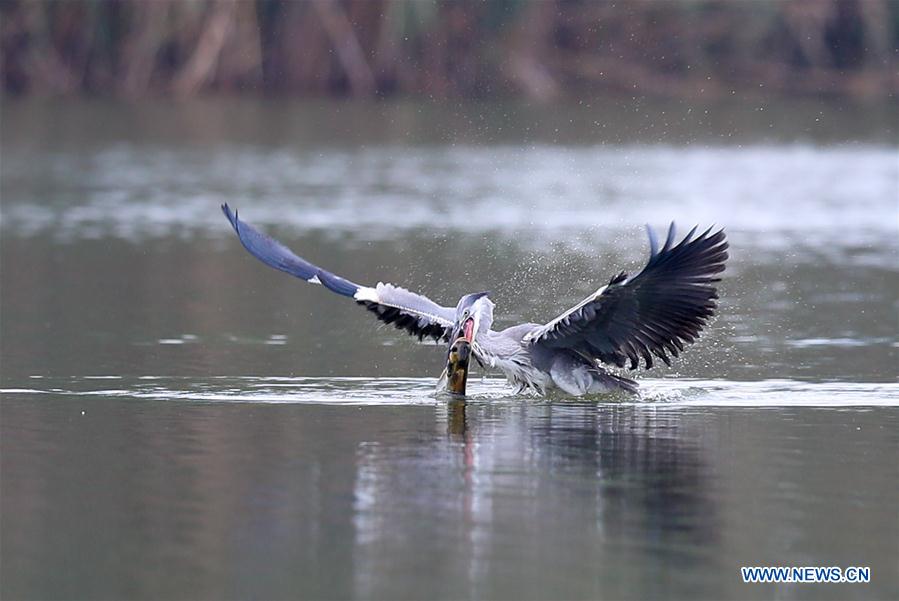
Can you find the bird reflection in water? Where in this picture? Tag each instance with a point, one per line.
(456, 425)
(571, 484)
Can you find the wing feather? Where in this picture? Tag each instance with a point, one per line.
(407, 311)
(657, 312)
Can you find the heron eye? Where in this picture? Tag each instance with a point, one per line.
(465, 313)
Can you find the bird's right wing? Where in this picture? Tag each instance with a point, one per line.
(656, 312)
(408, 311)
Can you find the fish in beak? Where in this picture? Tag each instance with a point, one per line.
(459, 356)
(457, 366)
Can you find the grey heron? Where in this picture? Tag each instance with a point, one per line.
(626, 322)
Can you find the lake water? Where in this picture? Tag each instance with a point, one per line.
(179, 421)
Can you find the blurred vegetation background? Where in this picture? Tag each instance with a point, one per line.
(539, 49)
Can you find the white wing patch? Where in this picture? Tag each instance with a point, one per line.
(314, 280)
(366, 294)
(390, 296)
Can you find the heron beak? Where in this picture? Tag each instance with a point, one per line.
(468, 329)
(458, 355)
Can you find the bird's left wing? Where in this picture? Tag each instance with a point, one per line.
(408, 311)
(654, 313)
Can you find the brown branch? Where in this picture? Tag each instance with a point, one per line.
(139, 55)
(199, 68)
(346, 44)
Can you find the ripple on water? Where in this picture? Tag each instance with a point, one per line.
(662, 393)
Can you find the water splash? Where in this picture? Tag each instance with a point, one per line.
(359, 391)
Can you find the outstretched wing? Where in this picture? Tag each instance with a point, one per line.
(654, 313)
(414, 313)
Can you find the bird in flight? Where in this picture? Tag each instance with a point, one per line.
(625, 323)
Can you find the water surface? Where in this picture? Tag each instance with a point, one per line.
(179, 421)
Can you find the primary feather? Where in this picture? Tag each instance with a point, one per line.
(654, 313)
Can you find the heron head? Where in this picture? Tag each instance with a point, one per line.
(474, 314)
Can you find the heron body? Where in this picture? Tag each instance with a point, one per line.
(629, 322)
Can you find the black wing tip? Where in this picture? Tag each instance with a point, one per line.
(654, 241)
(618, 278)
(672, 231)
(694, 261)
(231, 215)
(711, 244)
